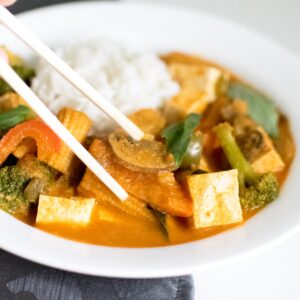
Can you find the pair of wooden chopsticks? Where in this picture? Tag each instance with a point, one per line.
(11, 77)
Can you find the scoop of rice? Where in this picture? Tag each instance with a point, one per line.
(128, 79)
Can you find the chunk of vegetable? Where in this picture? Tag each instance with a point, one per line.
(178, 136)
(79, 126)
(47, 141)
(90, 186)
(144, 156)
(255, 190)
(42, 177)
(160, 190)
(262, 192)
(216, 198)
(260, 108)
(193, 155)
(13, 117)
(12, 184)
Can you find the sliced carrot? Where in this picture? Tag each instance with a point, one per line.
(47, 141)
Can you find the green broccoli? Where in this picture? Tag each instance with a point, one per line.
(12, 184)
(22, 184)
(255, 190)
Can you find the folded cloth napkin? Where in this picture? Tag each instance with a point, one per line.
(24, 280)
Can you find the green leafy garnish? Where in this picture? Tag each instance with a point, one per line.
(13, 117)
(162, 219)
(24, 72)
(261, 109)
(178, 136)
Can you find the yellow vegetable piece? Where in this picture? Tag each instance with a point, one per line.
(79, 125)
(91, 186)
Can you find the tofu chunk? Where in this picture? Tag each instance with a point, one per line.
(216, 198)
(199, 85)
(270, 161)
(75, 211)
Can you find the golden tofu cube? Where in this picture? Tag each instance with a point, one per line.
(216, 198)
(75, 211)
(199, 86)
(270, 161)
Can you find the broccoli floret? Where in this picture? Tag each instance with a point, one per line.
(41, 175)
(255, 190)
(12, 184)
(261, 193)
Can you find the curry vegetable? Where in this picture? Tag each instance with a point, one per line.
(178, 136)
(255, 190)
(261, 109)
(13, 117)
(13, 182)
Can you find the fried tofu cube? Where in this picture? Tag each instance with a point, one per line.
(75, 211)
(269, 161)
(199, 86)
(216, 198)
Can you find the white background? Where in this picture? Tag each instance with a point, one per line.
(274, 274)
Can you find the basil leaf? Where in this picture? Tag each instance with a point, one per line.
(178, 136)
(13, 117)
(162, 219)
(261, 109)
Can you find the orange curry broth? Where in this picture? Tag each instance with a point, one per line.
(131, 232)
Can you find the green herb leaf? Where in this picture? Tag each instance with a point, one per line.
(261, 109)
(162, 219)
(178, 136)
(13, 117)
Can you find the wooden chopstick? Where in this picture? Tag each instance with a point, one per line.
(11, 77)
(68, 73)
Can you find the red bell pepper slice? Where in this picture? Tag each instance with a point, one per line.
(47, 141)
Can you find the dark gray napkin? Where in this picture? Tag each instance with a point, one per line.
(24, 280)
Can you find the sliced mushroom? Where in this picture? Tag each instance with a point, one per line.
(150, 121)
(147, 156)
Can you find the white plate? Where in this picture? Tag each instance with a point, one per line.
(161, 28)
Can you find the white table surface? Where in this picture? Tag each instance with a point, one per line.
(273, 274)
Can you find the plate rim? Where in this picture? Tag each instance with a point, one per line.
(179, 270)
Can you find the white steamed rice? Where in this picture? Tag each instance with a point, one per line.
(129, 79)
